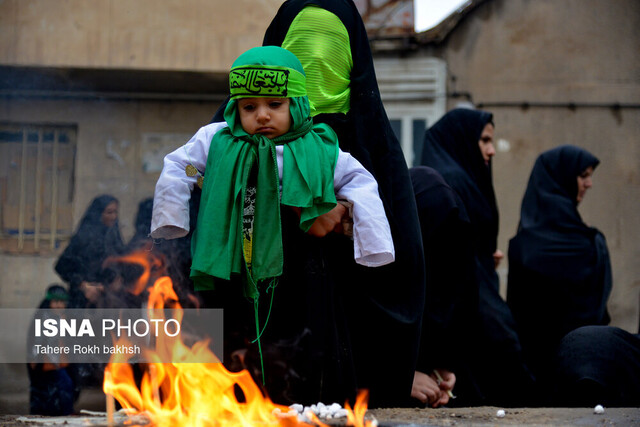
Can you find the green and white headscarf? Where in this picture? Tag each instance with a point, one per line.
(310, 156)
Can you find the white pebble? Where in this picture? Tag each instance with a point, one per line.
(598, 409)
(297, 407)
(500, 413)
(340, 413)
(334, 410)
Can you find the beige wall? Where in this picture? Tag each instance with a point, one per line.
(550, 51)
(116, 167)
(506, 50)
(142, 34)
(116, 137)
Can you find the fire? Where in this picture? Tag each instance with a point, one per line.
(196, 394)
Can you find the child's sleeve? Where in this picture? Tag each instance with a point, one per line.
(170, 218)
(372, 241)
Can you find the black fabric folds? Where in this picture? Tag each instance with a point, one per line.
(556, 261)
(597, 365)
(449, 326)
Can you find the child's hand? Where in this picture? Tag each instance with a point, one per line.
(326, 223)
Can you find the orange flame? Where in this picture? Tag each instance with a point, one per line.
(355, 417)
(193, 393)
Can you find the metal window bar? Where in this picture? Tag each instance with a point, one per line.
(54, 191)
(38, 202)
(23, 185)
(39, 175)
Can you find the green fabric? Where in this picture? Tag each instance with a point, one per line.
(321, 42)
(310, 156)
(253, 81)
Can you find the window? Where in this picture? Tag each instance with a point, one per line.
(36, 186)
(413, 91)
(410, 133)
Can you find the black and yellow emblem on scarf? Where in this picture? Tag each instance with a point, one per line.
(251, 81)
(262, 81)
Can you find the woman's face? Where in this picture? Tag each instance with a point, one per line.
(110, 214)
(486, 143)
(584, 183)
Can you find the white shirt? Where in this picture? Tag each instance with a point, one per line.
(372, 241)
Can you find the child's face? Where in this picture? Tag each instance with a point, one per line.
(267, 116)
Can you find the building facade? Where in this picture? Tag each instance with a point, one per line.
(94, 94)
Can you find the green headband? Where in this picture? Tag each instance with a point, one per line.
(58, 296)
(252, 81)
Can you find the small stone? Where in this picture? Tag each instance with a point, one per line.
(340, 413)
(335, 406)
(297, 407)
(500, 413)
(598, 409)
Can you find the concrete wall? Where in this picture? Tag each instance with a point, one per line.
(120, 142)
(142, 34)
(555, 53)
(542, 51)
(119, 151)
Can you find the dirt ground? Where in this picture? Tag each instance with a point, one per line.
(14, 404)
(475, 417)
(486, 416)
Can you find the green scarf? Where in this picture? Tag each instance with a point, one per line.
(310, 156)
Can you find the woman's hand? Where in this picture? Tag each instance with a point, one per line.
(498, 255)
(92, 291)
(426, 390)
(446, 381)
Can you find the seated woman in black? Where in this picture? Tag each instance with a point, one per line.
(559, 271)
(97, 237)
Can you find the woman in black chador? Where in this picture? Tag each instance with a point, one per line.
(358, 327)
(559, 269)
(96, 238)
(460, 146)
(81, 266)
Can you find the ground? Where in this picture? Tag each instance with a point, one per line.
(486, 416)
(14, 404)
(475, 417)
